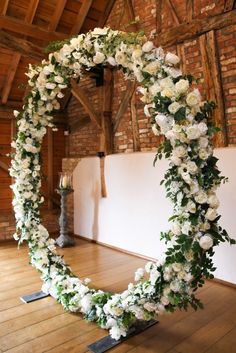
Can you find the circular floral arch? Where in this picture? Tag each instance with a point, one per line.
(177, 112)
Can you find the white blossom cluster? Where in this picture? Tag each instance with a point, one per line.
(161, 286)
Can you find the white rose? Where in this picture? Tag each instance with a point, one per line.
(168, 92)
(182, 86)
(154, 89)
(152, 67)
(139, 274)
(202, 128)
(111, 61)
(179, 152)
(165, 300)
(205, 226)
(174, 107)
(193, 132)
(206, 242)
(211, 214)
(120, 58)
(100, 31)
(148, 46)
(192, 99)
(191, 207)
(16, 113)
(203, 142)
(154, 275)
(150, 306)
(192, 167)
(175, 286)
(201, 197)
(177, 266)
(203, 154)
(176, 229)
(86, 303)
(213, 201)
(137, 53)
(175, 160)
(98, 58)
(166, 83)
(171, 58)
(50, 85)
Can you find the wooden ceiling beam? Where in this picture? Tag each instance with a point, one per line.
(31, 11)
(83, 11)
(106, 13)
(17, 26)
(10, 77)
(188, 31)
(79, 94)
(3, 6)
(17, 56)
(60, 5)
(79, 124)
(173, 12)
(21, 46)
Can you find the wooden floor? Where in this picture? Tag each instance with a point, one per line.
(43, 326)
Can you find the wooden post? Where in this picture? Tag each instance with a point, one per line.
(135, 128)
(213, 82)
(50, 168)
(106, 144)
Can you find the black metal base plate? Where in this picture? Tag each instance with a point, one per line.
(106, 343)
(34, 296)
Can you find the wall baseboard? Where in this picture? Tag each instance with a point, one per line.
(143, 257)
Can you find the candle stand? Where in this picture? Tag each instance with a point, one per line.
(64, 239)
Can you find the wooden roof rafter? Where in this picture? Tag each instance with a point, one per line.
(29, 17)
(83, 11)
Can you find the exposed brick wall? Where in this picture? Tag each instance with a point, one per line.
(86, 140)
(7, 224)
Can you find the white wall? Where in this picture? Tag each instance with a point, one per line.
(136, 210)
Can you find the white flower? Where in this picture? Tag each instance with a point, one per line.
(16, 113)
(201, 197)
(193, 99)
(176, 229)
(152, 67)
(100, 31)
(120, 58)
(179, 152)
(175, 286)
(148, 46)
(182, 86)
(168, 92)
(86, 303)
(193, 132)
(98, 58)
(203, 154)
(150, 306)
(202, 128)
(192, 167)
(111, 61)
(174, 107)
(139, 274)
(148, 266)
(155, 130)
(203, 142)
(175, 160)
(211, 214)
(137, 53)
(165, 301)
(171, 58)
(186, 227)
(213, 201)
(166, 83)
(50, 85)
(155, 88)
(206, 242)
(116, 332)
(191, 207)
(154, 275)
(177, 266)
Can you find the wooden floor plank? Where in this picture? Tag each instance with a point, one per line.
(43, 326)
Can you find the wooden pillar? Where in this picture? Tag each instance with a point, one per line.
(50, 168)
(134, 120)
(106, 141)
(213, 82)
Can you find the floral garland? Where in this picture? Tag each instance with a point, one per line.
(177, 112)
